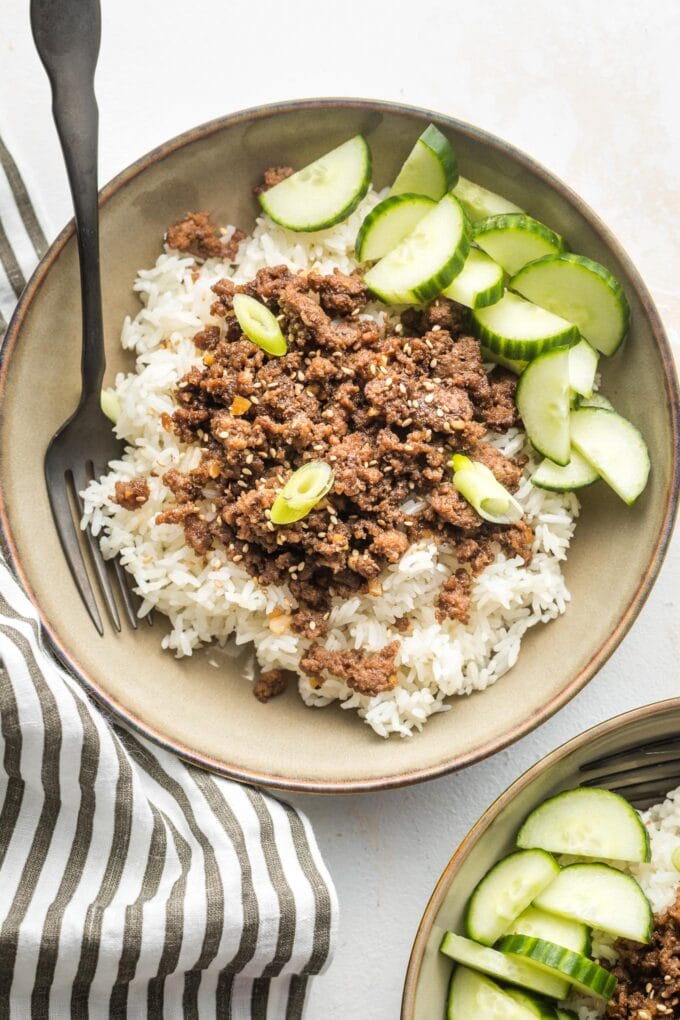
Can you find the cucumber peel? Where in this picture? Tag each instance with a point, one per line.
(426, 261)
(503, 967)
(520, 330)
(430, 169)
(581, 291)
(323, 193)
(587, 822)
(389, 223)
(578, 970)
(513, 239)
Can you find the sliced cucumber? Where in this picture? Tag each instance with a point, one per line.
(430, 168)
(479, 283)
(543, 402)
(578, 970)
(600, 897)
(426, 261)
(474, 997)
(519, 330)
(597, 400)
(323, 193)
(513, 239)
(577, 474)
(537, 924)
(580, 290)
(614, 447)
(537, 1006)
(479, 203)
(587, 822)
(505, 968)
(505, 891)
(514, 366)
(583, 361)
(389, 223)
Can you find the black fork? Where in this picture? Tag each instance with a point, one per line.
(643, 774)
(67, 35)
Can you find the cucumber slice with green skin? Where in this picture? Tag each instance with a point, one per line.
(587, 822)
(542, 399)
(580, 290)
(474, 997)
(597, 400)
(479, 283)
(537, 1007)
(577, 474)
(323, 193)
(537, 924)
(479, 203)
(505, 968)
(505, 891)
(615, 449)
(426, 261)
(514, 366)
(430, 168)
(583, 361)
(389, 223)
(513, 239)
(600, 897)
(521, 331)
(578, 970)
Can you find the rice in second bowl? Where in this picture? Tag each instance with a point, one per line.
(216, 599)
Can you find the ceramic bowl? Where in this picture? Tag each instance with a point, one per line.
(427, 978)
(209, 715)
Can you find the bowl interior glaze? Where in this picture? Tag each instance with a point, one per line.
(494, 835)
(208, 714)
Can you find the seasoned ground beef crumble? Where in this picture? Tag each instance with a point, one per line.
(386, 407)
(649, 975)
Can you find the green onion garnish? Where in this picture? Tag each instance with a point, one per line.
(110, 405)
(302, 492)
(484, 492)
(259, 325)
(675, 858)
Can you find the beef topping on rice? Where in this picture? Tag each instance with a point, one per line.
(271, 177)
(197, 235)
(649, 975)
(270, 684)
(131, 494)
(385, 407)
(367, 673)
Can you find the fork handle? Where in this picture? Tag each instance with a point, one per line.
(67, 35)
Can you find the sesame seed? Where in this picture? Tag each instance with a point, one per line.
(436, 329)
(254, 400)
(429, 398)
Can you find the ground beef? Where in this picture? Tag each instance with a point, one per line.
(454, 599)
(270, 684)
(385, 407)
(197, 235)
(649, 975)
(365, 673)
(131, 494)
(271, 177)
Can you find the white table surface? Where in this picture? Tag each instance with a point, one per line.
(589, 89)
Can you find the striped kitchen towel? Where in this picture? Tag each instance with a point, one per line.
(131, 884)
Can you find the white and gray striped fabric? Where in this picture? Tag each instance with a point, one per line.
(131, 884)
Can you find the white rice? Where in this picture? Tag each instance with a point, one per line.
(659, 880)
(217, 600)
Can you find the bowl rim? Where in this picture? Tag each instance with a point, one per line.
(470, 840)
(600, 656)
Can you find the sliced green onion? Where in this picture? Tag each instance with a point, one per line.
(302, 492)
(675, 858)
(480, 487)
(110, 405)
(259, 325)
